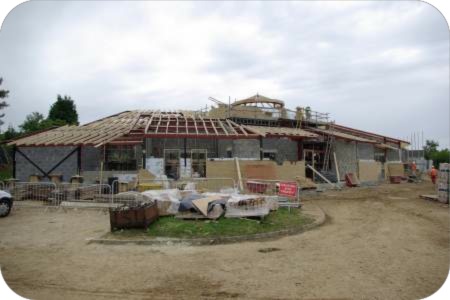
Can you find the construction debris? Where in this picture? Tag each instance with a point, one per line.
(196, 206)
(305, 183)
(351, 180)
(203, 203)
(239, 206)
(429, 197)
(167, 200)
(215, 213)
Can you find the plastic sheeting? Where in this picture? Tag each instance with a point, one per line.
(168, 201)
(186, 203)
(239, 206)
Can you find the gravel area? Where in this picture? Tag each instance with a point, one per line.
(379, 242)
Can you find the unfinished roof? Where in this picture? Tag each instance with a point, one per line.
(341, 135)
(259, 100)
(132, 126)
(368, 135)
(385, 146)
(182, 126)
(94, 133)
(281, 131)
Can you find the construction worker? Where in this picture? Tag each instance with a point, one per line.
(433, 174)
(413, 168)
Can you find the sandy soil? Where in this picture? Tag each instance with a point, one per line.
(381, 242)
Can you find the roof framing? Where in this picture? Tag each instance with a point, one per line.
(133, 126)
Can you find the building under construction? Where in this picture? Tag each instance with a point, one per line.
(270, 141)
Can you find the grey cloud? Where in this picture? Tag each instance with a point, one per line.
(114, 56)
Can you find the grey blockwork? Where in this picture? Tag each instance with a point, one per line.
(366, 151)
(392, 155)
(346, 157)
(154, 147)
(245, 148)
(46, 158)
(225, 146)
(286, 149)
(94, 176)
(90, 158)
(248, 148)
(139, 156)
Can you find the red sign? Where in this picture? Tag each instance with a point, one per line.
(288, 189)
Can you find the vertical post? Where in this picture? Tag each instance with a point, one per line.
(299, 150)
(338, 176)
(79, 160)
(185, 151)
(102, 163)
(217, 148)
(144, 154)
(261, 155)
(14, 161)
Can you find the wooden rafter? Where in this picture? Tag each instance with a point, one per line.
(148, 124)
(195, 124)
(230, 124)
(167, 125)
(223, 127)
(204, 125)
(132, 126)
(214, 127)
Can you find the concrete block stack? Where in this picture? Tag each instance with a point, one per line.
(443, 183)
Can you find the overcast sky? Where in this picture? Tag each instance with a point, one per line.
(377, 66)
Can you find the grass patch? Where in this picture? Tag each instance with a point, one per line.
(172, 227)
(5, 172)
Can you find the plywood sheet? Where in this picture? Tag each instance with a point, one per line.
(255, 169)
(260, 171)
(221, 169)
(369, 170)
(202, 203)
(144, 174)
(396, 169)
(290, 170)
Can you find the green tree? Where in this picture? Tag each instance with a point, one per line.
(36, 121)
(431, 152)
(430, 148)
(64, 109)
(9, 134)
(442, 156)
(3, 104)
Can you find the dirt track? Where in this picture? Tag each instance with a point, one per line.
(381, 242)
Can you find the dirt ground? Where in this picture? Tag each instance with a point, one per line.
(379, 242)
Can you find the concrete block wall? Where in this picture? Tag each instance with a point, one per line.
(155, 147)
(286, 148)
(46, 158)
(366, 151)
(139, 156)
(224, 146)
(246, 148)
(91, 158)
(346, 155)
(243, 148)
(93, 176)
(392, 155)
